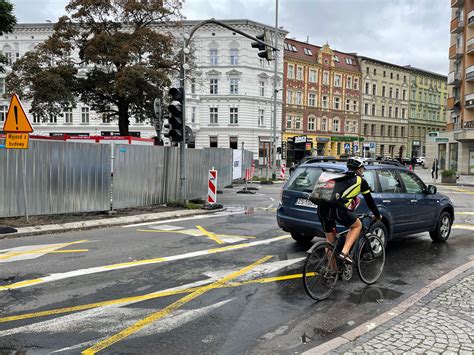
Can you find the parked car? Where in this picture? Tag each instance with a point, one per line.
(406, 204)
(420, 160)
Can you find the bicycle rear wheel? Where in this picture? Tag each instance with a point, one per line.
(319, 278)
(370, 259)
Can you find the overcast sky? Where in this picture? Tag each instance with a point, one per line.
(403, 32)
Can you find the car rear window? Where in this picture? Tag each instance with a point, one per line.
(304, 178)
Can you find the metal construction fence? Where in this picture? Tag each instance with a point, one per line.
(63, 177)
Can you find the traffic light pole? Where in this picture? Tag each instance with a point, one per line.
(183, 81)
(275, 96)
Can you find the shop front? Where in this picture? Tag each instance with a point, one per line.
(345, 145)
(297, 147)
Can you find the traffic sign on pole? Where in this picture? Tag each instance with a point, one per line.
(16, 121)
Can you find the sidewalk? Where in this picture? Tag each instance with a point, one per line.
(437, 319)
(425, 175)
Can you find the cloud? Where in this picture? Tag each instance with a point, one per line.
(414, 32)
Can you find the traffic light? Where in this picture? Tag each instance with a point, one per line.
(265, 52)
(175, 119)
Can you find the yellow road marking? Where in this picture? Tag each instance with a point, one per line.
(146, 297)
(210, 235)
(187, 233)
(167, 310)
(45, 250)
(22, 283)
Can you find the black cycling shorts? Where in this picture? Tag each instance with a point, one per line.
(330, 215)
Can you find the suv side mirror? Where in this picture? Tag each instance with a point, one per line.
(431, 190)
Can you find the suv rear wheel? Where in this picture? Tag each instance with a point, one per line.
(302, 238)
(443, 228)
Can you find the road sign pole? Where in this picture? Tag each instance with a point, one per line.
(24, 185)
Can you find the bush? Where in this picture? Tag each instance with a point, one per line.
(449, 172)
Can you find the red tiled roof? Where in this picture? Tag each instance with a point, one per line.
(300, 55)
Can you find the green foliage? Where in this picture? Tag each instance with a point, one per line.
(188, 205)
(112, 55)
(7, 22)
(449, 172)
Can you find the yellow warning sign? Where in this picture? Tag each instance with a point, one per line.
(17, 141)
(17, 121)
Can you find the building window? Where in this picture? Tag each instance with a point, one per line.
(397, 91)
(366, 127)
(366, 109)
(234, 86)
(36, 118)
(389, 134)
(355, 106)
(372, 129)
(382, 130)
(311, 123)
(391, 75)
(213, 142)
(299, 73)
(85, 115)
(367, 88)
(373, 109)
(348, 105)
(404, 94)
(53, 119)
(298, 123)
(403, 131)
(213, 86)
(395, 131)
(193, 86)
(312, 99)
(193, 115)
(262, 88)
(403, 113)
(356, 84)
(312, 76)
(234, 56)
(8, 57)
(2, 86)
(3, 113)
(299, 98)
(384, 73)
(349, 82)
(391, 91)
(261, 117)
(324, 124)
(396, 112)
(289, 122)
(213, 115)
(234, 115)
(289, 97)
(234, 142)
(213, 56)
(337, 80)
(325, 102)
(390, 111)
(68, 115)
(383, 111)
(383, 91)
(291, 73)
(375, 71)
(335, 125)
(337, 103)
(374, 89)
(325, 78)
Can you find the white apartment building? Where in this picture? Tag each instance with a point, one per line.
(229, 102)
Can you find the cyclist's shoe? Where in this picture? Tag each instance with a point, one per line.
(346, 258)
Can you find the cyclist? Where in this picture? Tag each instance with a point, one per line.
(348, 187)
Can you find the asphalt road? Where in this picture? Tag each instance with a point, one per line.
(229, 283)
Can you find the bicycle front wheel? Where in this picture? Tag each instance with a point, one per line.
(320, 271)
(370, 259)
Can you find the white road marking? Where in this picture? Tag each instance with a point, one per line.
(28, 252)
(167, 227)
(463, 226)
(125, 265)
(214, 215)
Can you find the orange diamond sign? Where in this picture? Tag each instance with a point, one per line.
(17, 121)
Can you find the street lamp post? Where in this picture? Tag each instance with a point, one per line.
(275, 95)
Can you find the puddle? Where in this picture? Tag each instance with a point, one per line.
(398, 282)
(373, 295)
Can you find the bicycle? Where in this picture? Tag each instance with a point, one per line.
(322, 268)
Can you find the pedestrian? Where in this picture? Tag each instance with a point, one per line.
(292, 168)
(434, 169)
(413, 163)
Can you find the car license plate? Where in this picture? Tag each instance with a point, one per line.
(305, 202)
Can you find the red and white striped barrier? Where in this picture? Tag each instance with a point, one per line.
(248, 174)
(212, 187)
(282, 172)
(252, 170)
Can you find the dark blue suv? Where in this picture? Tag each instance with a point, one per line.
(407, 205)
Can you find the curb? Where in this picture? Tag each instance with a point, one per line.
(371, 324)
(103, 223)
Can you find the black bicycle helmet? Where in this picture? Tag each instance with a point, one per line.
(355, 163)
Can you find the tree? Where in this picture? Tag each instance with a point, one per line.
(7, 22)
(114, 55)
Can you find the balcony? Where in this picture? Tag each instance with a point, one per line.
(470, 73)
(457, 3)
(470, 19)
(454, 103)
(454, 78)
(470, 45)
(457, 25)
(455, 52)
(469, 101)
